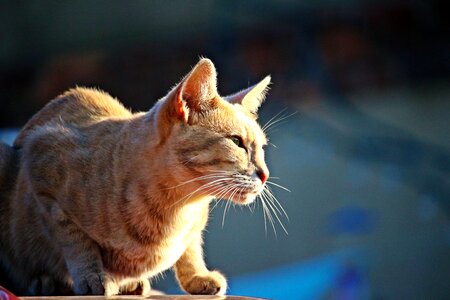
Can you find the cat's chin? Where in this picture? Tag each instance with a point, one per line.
(244, 199)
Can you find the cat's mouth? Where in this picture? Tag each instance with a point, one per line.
(240, 192)
(244, 197)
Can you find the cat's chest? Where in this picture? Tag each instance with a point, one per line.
(163, 250)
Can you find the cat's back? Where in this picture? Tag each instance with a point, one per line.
(78, 107)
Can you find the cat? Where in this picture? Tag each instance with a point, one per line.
(95, 199)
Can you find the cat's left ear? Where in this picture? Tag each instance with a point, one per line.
(252, 97)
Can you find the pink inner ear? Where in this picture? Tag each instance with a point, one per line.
(180, 107)
(199, 86)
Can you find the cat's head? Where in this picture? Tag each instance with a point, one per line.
(216, 144)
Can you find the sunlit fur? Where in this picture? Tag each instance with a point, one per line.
(96, 199)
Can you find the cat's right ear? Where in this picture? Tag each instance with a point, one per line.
(197, 90)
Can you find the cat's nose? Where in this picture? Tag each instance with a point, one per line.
(263, 175)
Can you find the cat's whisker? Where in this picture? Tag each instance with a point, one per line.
(271, 205)
(206, 185)
(208, 176)
(277, 121)
(218, 188)
(273, 127)
(255, 205)
(275, 201)
(270, 201)
(264, 215)
(237, 189)
(276, 211)
(212, 185)
(234, 190)
(271, 123)
(217, 201)
(272, 196)
(251, 207)
(271, 213)
(278, 185)
(219, 175)
(225, 212)
(272, 118)
(269, 198)
(231, 186)
(219, 171)
(220, 192)
(268, 213)
(209, 184)
(223, 191)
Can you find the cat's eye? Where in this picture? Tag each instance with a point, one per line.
(238, 141)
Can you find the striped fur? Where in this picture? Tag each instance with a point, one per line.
(96, 200)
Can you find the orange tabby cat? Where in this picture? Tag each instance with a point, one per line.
(96, 199)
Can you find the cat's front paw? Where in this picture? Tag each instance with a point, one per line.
(211, 283)
(140, 287)
(90, 284)
(96, 284)
(42, 285)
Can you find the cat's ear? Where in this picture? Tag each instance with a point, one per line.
(252, 97)
(197, 90)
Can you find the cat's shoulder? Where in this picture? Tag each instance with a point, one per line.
(95, 101)
(76, 106)
(80, 104)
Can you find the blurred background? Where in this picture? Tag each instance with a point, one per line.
(366, 156)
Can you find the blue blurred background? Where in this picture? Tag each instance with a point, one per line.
(366, 156)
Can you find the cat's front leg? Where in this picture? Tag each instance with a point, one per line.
(193, 275)
(83, 258)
